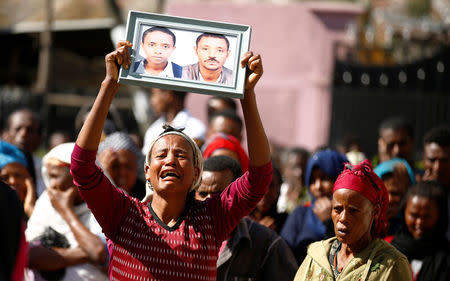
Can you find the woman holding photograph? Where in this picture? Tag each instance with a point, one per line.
(359, 205)
(173, 237)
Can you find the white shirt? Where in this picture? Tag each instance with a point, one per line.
(45, 215)
(167, 72)
(192, 127)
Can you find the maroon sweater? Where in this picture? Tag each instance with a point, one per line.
(142, 247)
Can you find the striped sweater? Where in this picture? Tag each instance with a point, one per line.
(142, 247)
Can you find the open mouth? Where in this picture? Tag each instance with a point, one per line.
(168, 174)
(342, 231)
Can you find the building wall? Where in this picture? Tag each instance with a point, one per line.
(296, 42)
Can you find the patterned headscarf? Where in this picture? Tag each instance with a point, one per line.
(361, 178)
(120, 141)
(198, 158)
(11, 154)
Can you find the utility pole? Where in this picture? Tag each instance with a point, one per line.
(45, 44)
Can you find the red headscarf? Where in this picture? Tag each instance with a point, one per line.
(223, 141)
(362, 179)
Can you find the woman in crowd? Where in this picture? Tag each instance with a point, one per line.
(359, 205)
(66, 240)
(397, 176)
(223, 144)
(14, 172)
(172, 237)
(422, 235)
(310, 223)
(121, 160)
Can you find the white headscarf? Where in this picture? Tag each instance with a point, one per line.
(62, 152)
(198, 159)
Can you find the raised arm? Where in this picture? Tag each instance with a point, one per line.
(241, 197)
(106, 203)
(90, 133)
(257, 143)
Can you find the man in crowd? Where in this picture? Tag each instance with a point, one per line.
(24, 130)
(436, 160)
(158, 44)
(227, 122)
(212, 51)
(253, 252)
(170, 106)
(218, 103)
(396, 140)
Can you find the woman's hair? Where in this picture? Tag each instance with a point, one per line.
(433, 191)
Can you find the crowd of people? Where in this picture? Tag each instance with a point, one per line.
(188, 202)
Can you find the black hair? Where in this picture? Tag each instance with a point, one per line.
(227, 113)
(397, 123)
(161, 29)
(229, 101)
(12, 217)
(298, 150)
(434, 192)
(180, 95)
(215, 35)
(222, 163)
(439, 135)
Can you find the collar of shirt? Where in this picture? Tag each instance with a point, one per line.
(203, 80)
(167, 72)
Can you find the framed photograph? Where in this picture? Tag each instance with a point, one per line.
(185, 54)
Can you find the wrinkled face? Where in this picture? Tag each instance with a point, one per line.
(221, 124)
(295, 168)
(158, 46)
(271, 197)
(171, 168)
(421, 215)
(212, 183)
(121, 165)
(160, 100)
(212, 52)
(321, 185)
(15, 175)
(353, 216)
(395, 143)
(23, 131)
(437, 162)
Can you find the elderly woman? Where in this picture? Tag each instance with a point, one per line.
(173, 236)
(121, 159)
(359, 207)
(67, 243)
(422, 235)
(14, 172)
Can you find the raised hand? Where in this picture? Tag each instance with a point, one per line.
(254, 66)
(113, 60)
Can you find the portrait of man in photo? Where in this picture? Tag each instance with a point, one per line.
(212, 51)
(158, 44)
